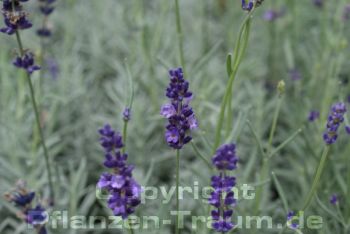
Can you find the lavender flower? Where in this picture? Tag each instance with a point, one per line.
(247, 6)
(14, 17)
(313, 115)
(348, 99)
(127, 114)
(333, 199)
(46, 8)
(124, 191)
(318, 3)
(335, 118)
(181, 118)
(222, 198)
(23, 199)
(26, 62)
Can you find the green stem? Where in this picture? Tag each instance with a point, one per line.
(177, 230)
(348, 190)
(37, 118)
(204, 159)
(274, 123)
(125, 130)
(317, 177)
(180, 36)
(238, 55)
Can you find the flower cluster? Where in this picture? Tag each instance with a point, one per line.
(313, 115)
(124, 191)
(46, 8)
(14, 16)
(23, 199)
(222, 198)
(181, 118)
(335, 118)
(247, 6)
(26, 62)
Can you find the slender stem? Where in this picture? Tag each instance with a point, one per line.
(37, 118)
(177, 230)
(317, 177)
(348, 191)
(204, 159)
(274, 123)
(125, 130)
(180, 36)
(239, 51)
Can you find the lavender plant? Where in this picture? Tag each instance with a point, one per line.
(16, 19)
(23, 199)
(181, 120)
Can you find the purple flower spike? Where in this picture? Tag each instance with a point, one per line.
(222, 198)
(181, 118)
(313, 115)
(124, 191)
(335, 118)
(333, 199)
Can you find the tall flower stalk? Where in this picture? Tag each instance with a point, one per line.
(15, 19)
(181, 120)
(335, 119)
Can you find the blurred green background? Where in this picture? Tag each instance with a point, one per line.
(92, 43)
